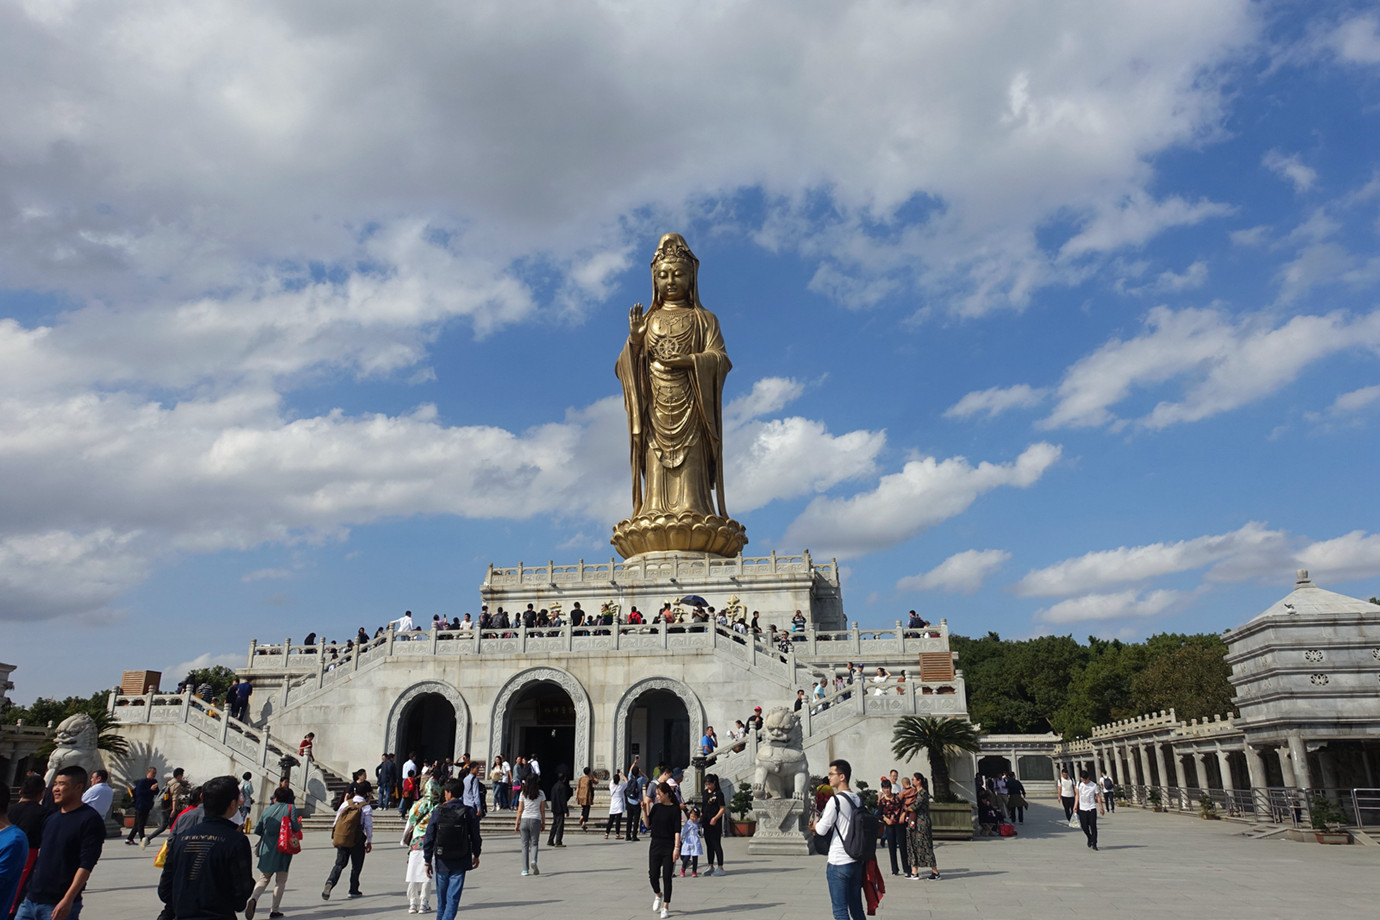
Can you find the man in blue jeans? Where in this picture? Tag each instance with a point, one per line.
(844, 874)
(451, 848)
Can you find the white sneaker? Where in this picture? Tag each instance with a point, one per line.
(665, 913)
(656, 904)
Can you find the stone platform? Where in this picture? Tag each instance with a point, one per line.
(775, 585)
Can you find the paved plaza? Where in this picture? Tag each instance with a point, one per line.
(1149, 866)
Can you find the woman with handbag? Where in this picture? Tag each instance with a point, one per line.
(280, 838)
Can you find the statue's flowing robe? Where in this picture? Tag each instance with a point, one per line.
(675, 417)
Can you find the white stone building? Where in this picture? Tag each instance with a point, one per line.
(590, 696)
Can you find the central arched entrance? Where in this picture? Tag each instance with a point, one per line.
(541, 724)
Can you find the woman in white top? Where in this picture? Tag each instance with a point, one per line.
(531, 821)
(1066, 794)
(618, 788)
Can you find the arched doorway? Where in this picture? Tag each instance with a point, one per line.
(427, 729)
(660, 720)
(430, 719)
(993, 765)
(541, 724)
(658, 729)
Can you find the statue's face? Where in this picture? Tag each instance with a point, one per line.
(673, 280)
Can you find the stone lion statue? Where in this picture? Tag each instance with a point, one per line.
(782, 771)
(75, 738)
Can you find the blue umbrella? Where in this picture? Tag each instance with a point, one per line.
(693, 600)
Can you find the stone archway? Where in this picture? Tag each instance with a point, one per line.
(693, 707)
(499, 740)
(413, 695)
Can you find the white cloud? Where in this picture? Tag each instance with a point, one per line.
(1094, 571)
(1357, 40)
(768, 395)
(1350, 557)
(114, 485)
(183, 159)
(1355, 401)
(961, 573)
(1251, 236)
(1223, 364)
(1136, 219)
(174, 675)
(1291, 168)
(996, 400)
(261, 574)
(924, 493)
(1111, 606)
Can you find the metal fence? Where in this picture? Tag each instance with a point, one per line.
(1280, 805)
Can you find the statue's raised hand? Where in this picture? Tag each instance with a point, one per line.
(637, 323)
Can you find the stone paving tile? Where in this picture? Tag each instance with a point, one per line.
(1150, 866)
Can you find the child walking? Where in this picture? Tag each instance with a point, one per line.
(691, 846)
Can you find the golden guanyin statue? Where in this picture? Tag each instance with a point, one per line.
(672, 370)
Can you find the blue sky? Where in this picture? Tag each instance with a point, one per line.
(1057, 319)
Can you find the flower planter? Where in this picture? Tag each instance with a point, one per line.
(745, 828)
(1333, 838)
(129, 821)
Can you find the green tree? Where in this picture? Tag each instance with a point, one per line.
(45, 711)
(937, 737)
(219, 677)
(1193, 679)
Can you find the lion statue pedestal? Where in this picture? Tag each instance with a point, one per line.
(779, 787)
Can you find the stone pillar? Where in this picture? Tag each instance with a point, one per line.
(1255, 767)
(1299, 755)
(1144, 766)
(1159, 762)
(1224, 763)
(1285, 765)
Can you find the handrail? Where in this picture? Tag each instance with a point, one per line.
(1364, 800)
(889, 644)
(260, 748)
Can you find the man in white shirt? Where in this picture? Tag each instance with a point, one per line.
(100, 794)
(533, 766)
(1089, 804)
(843, 873)
(403, 623)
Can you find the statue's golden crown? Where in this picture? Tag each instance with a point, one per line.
(673, 249)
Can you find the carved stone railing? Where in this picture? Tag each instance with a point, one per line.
(679, 566)
(810, 644)
(254, 745)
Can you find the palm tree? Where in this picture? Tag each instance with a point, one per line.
(938, 737)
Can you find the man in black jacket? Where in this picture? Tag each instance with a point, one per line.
(209, 874)
(451, 848)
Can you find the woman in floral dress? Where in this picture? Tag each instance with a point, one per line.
(920, 840)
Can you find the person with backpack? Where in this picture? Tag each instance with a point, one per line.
(633, 796)
(279, 827)
(352, 835)
(450, 848)
(920, 840)
(840, 821)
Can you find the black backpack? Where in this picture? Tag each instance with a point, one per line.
(453, 834)
(860, 842)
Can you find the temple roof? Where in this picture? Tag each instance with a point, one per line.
(1308, 599)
